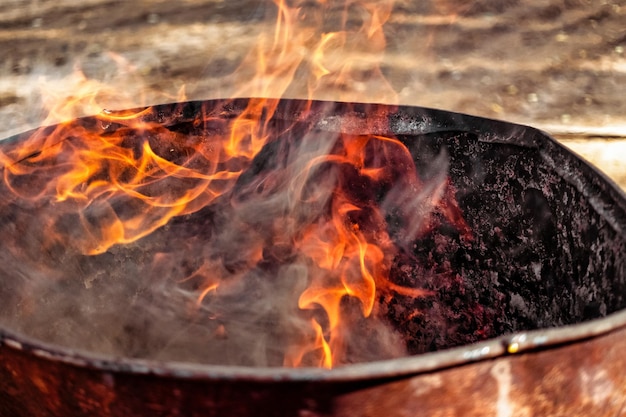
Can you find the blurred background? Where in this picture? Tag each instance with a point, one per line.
(559, 65)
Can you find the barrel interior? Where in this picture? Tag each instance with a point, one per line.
(546, 248)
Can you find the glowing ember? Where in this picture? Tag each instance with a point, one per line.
(309, 206)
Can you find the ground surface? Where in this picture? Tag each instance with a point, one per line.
(556, 64)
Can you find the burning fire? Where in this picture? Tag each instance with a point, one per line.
(311, 200)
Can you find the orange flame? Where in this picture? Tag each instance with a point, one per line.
(119, 190)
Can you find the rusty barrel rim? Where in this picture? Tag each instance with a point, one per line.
(503, 346)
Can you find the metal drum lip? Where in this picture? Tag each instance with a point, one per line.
(502, 346)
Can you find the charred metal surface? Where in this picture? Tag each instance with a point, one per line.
(526, 317)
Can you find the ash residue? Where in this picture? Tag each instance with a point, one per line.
(541, 257)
